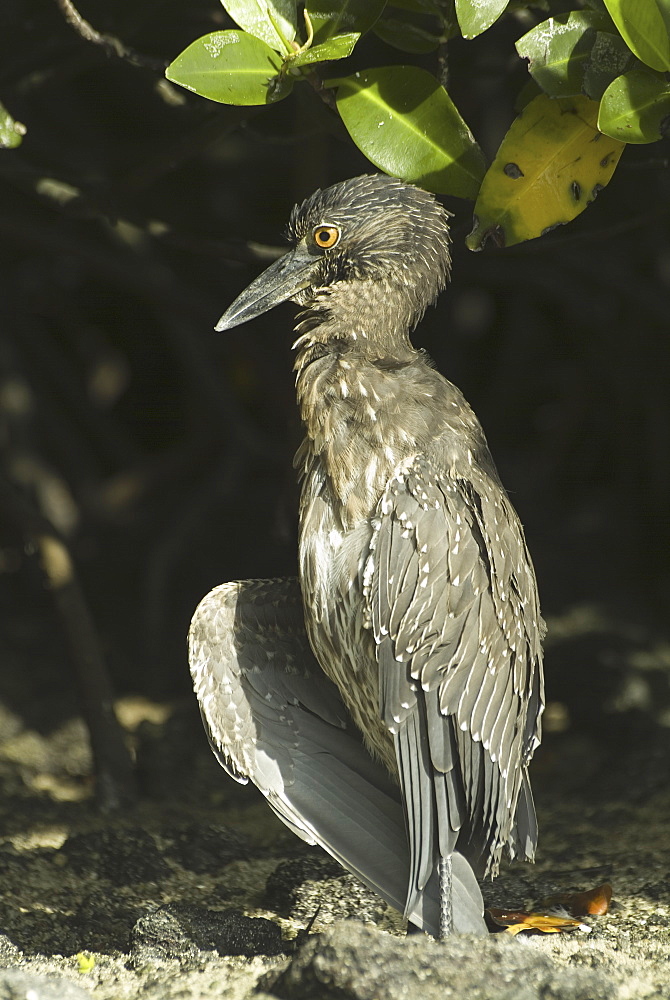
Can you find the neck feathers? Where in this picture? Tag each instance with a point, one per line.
(364, 317)
(353, 409)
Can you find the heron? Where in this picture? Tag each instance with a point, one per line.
(388, 701)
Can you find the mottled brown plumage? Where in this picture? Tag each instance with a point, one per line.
(420, 601)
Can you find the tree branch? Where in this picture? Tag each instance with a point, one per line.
(112, 45)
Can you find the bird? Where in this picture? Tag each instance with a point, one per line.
(388, 701)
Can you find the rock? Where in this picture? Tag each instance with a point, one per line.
(16, 984)
(122, 856)
(352, 961)
(182, 932)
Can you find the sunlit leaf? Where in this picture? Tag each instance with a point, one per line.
(230, 67)
(333, 17)
(11, 131)
(574, 53)
(475, 16)
(405, 36)
(636, 108)
(515, 922)
(551, 164)
(644, 25)
(273, 21)
(337, 47)
(407, 125)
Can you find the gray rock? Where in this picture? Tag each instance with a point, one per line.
(15, 984)
(9, 953)
(181, 932)
(352, 961)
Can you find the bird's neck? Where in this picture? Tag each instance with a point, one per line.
(353, 393)
(368, 318)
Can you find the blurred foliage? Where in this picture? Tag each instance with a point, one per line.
(131, 215)
(11, 131)
(402, 118)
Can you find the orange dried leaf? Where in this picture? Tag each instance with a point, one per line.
(594, 902)
(502, 918)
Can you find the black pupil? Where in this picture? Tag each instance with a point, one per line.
(324, 236)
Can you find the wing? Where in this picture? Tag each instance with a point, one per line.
(452, 602)
(273, 716)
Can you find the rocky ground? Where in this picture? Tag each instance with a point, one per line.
(199, 892)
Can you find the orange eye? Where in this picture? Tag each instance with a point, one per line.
(326, 236)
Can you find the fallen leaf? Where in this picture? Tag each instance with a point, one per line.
(515, 921)
(594, 902)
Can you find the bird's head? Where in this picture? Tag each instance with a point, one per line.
(370, 240)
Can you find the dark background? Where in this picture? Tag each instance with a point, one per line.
(162, 451)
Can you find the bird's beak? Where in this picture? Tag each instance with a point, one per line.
(279, 282)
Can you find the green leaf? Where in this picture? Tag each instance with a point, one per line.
(405, 36)
(475, 16)
(333, 17)
(230, 67)
(610, 56)
(420, 6)
(644, 25)
(528, 93)
(563, 51)
(636, 108)
(407, 125)
(337, 47)
(11, 131)
(551, 164)
(273, 21)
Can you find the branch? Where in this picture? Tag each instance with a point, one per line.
(115, 780)
(316, 83)
(113, 46)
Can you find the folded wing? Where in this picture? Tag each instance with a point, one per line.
(452, 601)
(272, 716)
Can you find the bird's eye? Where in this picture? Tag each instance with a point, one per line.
(326, 236)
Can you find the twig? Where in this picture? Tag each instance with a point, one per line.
(114, 772)
(326, 95)
(113, 46)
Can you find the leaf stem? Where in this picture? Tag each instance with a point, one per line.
(275, 24)
(299, 49)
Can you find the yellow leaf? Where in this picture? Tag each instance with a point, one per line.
(551, 164)
(516, 921)
(85, 962)
(545, 924)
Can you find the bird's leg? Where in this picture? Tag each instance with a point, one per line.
(446, 910)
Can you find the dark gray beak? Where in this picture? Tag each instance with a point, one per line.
(279, 282)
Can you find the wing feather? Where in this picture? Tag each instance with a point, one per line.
(453, 606)
(273, 716)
